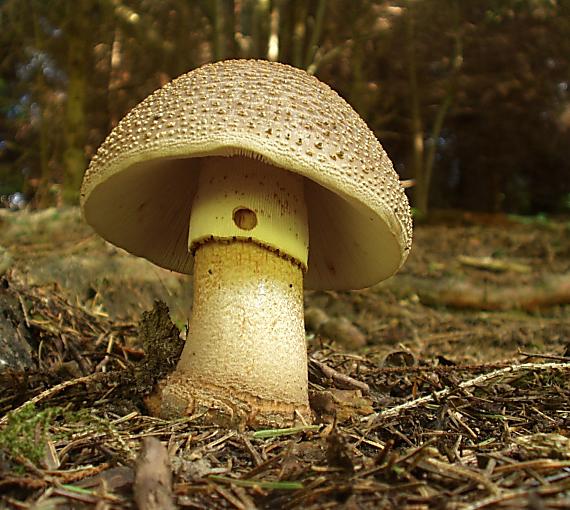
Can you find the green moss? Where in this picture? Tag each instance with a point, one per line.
(26, 432)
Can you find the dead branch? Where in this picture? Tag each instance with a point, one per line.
(153, 479)
(342, 380)
(470, 383)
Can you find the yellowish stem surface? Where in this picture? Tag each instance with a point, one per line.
(245, 360)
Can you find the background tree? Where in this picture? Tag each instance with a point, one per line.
(469, 97)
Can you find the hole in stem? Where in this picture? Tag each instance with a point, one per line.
(244, 218)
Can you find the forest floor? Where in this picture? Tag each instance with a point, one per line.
(447, 386)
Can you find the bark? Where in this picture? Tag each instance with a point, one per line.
(230, 29)
(316, 33)
(260, 29)
(153, 480)
(273, 49)
(16, 351)
(423, 160)
(74, 157)
(417, 130)
(299, 33)
(218, 34)
(115, 81)
(285, 30)
(357, 84)
(46, 179)
(255, 27)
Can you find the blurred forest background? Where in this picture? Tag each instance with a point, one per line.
(469, 97)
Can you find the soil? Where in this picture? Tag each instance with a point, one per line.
(445, 387)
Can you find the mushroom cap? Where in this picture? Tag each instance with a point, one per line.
(138, 190)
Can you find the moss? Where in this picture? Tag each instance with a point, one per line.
(26, 432)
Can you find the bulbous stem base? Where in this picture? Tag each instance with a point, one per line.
(245, 361)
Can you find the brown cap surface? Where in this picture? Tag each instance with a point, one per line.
(137, 192)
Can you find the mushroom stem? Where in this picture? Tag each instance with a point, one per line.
(245, 360)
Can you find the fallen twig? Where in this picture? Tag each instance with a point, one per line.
(50, 392)
(342, 380)
(544, 356)
(495, 265)
(395, 411)
(153, 479)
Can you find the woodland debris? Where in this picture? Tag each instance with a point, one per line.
(343, 331)
(339, 379)
(553, 290)
(503, 374)
(480, 424)
(493, 264)
(6, 260)
(162, 345)
(337, 329)
(153, 477)
(54, 390)
(15, 336)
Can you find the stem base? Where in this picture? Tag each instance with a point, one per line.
(245, 361)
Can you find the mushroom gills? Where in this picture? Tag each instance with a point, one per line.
(245, 359)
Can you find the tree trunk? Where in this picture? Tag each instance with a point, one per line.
(230, 28)
(316, 32)
(417, 130)
(299, 33)
(115, 80)
(286, 23)
(74, 158)
(218, 32)
(423, 160)
(42, 193)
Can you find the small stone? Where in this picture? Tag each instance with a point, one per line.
(343, 331)
(315, 318)
(399, 359)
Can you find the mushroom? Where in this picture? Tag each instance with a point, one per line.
(258, 179)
